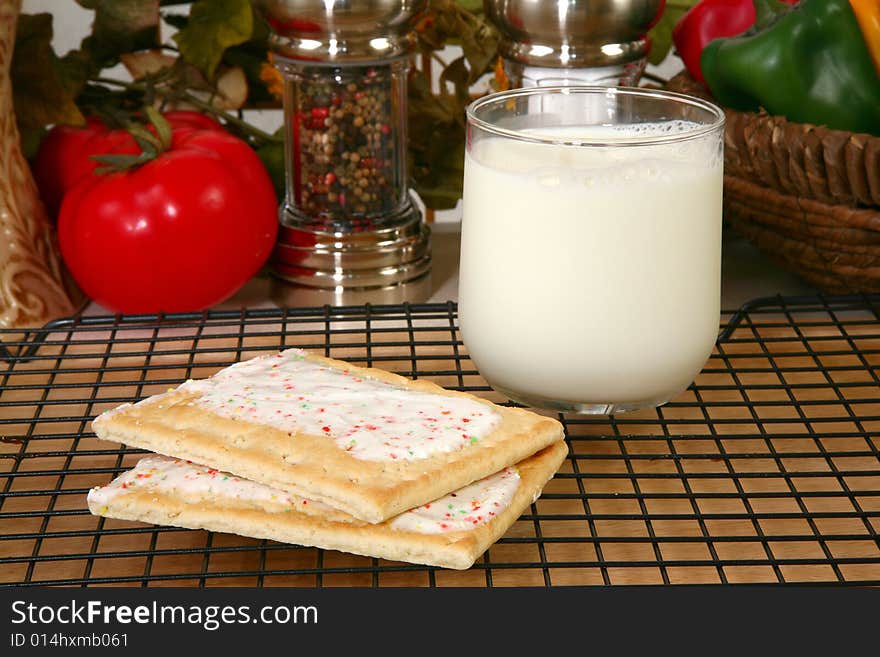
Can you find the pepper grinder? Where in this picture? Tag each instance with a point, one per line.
(348, 226)
(565, 42)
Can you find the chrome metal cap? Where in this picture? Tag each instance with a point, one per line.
(573, 33)
(372, 257)
(341, 31)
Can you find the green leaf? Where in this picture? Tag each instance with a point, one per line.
(442, 188)
(176, 20)
(437, 121)
(40, 94)
(456, 73)
(272, 157)
(163, 129)
(425, 108)
(30, 142)
(119, 163)
(251, 61)
(251, 56)
(436, 141)
(106, 102)
(121, 26)
(214, 26)
(74, 70)
(661, 34)
(480, 47)
(473, 6)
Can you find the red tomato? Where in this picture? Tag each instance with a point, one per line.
(64, 157)
(189, 119)
(65, 154)
(180, 233)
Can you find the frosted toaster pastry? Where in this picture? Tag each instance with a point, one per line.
(450, 532)
(368, 442)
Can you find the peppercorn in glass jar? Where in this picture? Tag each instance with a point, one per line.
(348, 223)
(346, 168)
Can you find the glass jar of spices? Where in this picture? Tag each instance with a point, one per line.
(347, 162)
(348, 221)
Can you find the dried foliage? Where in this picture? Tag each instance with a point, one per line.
(217, 60)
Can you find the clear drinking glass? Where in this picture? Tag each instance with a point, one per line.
(591, 244)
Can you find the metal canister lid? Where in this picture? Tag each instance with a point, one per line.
(341, 31)
(385, 256)
(573, 33)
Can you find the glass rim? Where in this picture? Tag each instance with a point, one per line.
(701, 131)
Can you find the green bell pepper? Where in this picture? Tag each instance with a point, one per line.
(811, 65)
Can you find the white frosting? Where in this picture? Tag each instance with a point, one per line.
(370, 419)
(195, 483)
(464, 509)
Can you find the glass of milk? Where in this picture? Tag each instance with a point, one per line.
(590, 276)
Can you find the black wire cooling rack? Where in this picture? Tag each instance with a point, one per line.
(766, 470)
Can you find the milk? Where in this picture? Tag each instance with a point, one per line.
(591, 275)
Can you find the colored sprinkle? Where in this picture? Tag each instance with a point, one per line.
(370, 419)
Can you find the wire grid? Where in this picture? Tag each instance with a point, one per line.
(765, 470)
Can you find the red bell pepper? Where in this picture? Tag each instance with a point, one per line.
(708, 20)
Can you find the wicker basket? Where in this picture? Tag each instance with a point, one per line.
(807, 196)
